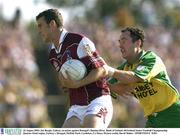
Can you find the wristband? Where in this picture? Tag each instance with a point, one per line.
(109, 69)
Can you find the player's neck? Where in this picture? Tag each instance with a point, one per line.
(135, 58)
(56, 39)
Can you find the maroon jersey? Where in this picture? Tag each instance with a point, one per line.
(75, 46)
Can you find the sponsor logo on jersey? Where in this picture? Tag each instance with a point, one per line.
(140, 68)
(144, 90)
(88, 50)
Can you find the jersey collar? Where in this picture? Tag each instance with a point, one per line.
(139, 60)
(62, 35)
(61, 39)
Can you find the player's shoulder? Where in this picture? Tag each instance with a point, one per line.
(71, 38)
(83, 39)
(150, 57)
(148, 54)
(85, 47)
(75, 35)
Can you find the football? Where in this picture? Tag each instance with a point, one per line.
(75, 68)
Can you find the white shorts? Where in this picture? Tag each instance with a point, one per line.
(101, 106)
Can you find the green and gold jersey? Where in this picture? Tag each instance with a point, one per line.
(156, 93)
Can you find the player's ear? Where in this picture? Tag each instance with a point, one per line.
(52, 23)
(138, 43)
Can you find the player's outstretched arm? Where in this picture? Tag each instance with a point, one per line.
(125, 77)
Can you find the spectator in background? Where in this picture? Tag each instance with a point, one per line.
(90, 101)
(144, 76)
(16, 19)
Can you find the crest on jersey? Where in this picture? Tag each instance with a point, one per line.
(68, 54)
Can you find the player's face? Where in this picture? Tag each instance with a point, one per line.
(126, 45)
(44, 30)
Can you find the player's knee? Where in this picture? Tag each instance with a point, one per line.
(92, 121)
(72, 122)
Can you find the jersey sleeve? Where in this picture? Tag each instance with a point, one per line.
(85, 48)
(114, 80)
(87, 52)
(149, 67)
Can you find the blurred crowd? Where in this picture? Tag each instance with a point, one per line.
(22, 92)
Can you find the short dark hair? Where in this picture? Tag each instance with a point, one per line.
(135, 33)
(51, 14)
